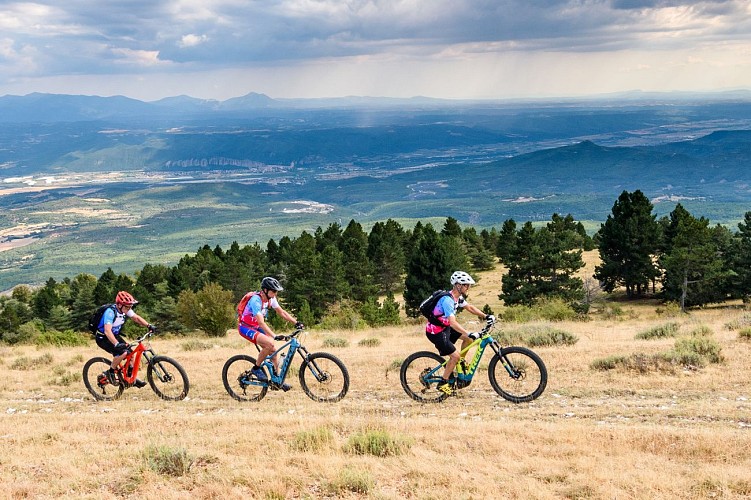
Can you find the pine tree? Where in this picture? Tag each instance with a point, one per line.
(628, 242)
(428, 269)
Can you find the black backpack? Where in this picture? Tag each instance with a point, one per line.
(428, 305)
(96, 317)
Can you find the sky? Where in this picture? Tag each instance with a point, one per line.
(453, 49)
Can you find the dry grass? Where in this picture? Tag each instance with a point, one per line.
(592, 434)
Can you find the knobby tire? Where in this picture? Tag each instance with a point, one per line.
(167, 378)
(334, 377)
(529, 375)
(91, 371)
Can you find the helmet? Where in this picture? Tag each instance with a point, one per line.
(125, 299)
(462, 278)
(269, 283)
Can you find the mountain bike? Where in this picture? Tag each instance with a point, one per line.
(323, 377)
(516, 373)
(165, 375)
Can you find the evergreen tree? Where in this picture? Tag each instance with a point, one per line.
(544, 265)
(627, 244)
(451, 228)
(303, 271)
(82, 300)
(105, 291)
(428, 269)
(694, 272)
(507, 241)
(45, 299)
(386, 252)
(358, 270)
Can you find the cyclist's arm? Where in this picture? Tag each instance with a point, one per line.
(264, 326)
(138, 319)
(108, 333)
(477, 312)
(284, 314)
(453, 323)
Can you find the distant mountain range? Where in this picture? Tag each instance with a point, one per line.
(89, 182)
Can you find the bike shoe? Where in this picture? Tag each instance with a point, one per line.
(111, 377)
(259, 374)
(139, 383)
(446, 388)
(102, 379)
(283, 387)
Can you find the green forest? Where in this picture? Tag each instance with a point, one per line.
(345, 277)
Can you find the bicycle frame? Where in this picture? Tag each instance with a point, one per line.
(134, 359)
(295, 346)
(481, 343)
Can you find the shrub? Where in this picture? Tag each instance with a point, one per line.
(669, 310)
(343, 315)
(167, 461)
(377, 443)
(745, 334)
(354, 480)
(640, 363)
(548, 309)
(703, 347)
(659, 332)
(211, 309)
(67, 338)
(196, 345)
(739, 323)
(24, 333)
(26, 363)
(314, 440)
(536, 336)
(335, 342)
(370, 342)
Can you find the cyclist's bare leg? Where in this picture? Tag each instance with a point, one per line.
(117, 360)
(266, 344)
(451, 364)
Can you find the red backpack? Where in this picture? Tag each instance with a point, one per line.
(243, 302)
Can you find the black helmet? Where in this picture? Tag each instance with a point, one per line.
(269, 283)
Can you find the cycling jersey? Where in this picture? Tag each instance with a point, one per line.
(114, 317)
(444, 309)
(254, 306)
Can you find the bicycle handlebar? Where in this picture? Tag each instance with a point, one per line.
(292, 335)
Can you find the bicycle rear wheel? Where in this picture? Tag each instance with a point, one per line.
(239, 382)
(324, 377)
(167, 378)
(96, 382)
(420, 374)
(518, 374)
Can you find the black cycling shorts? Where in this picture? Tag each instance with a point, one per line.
(444, 340)
(103, 342)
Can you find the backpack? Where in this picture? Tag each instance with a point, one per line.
(243, 302)
(96, 318)
(428, 306)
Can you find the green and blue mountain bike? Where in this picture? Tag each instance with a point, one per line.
(516, 373)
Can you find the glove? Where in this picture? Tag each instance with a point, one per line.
(490, 319)
(120, 348)
(474, 335)
(299, 325)
(151, 328)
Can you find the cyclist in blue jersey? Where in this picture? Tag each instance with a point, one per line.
(444, 337)
(108, 335)
(253, 327)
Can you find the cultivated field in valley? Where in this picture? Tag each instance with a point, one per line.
(592, 434)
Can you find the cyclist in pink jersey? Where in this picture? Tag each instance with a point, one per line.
(253, 327)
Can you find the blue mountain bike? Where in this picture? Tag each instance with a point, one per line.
(516, 373)
(323, 377)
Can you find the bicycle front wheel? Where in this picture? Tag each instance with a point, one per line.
(167, 378)
(420, 374)
(96, 382)
(239, 382)
(324, 377)
(518, 374)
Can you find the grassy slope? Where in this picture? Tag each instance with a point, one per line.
(591, 434)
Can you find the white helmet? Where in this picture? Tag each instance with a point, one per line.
(462, 278)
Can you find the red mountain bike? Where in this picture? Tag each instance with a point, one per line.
(165, 375)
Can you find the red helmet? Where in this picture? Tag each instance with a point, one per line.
(125, 299)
